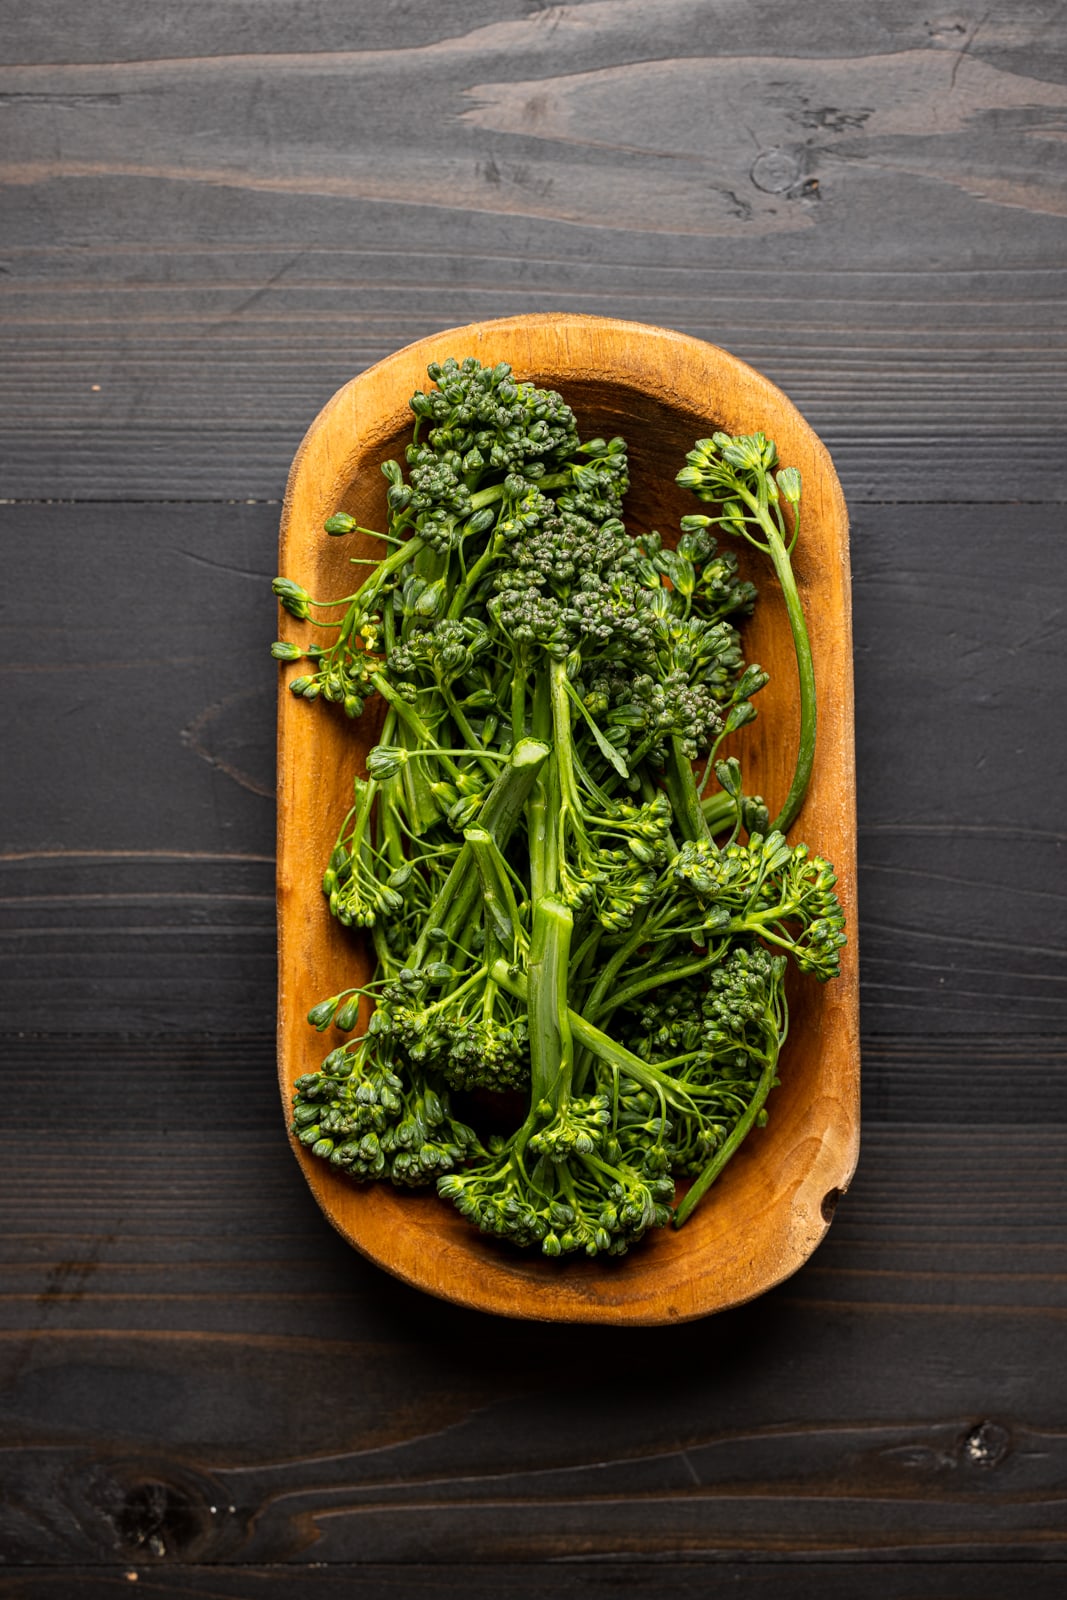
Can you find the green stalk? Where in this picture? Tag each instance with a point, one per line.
(583, 961)
(503, 805)
(365, 808)
(391, 563)
(659, 978)
(603, 985)
(387, 962)
(719, 811)
(488, 497)
(518, 700)
(551, 1044)
(473, 578)
(498, 897)
(390, 842)
(544, 864)
(682, 789)
(477, 750)
(738, 1134)
(427, 745)
(422, 807)
(561, 733)
(495, 491)
(776, 548)
(499, 813)
(806, 678)
(613, 1054)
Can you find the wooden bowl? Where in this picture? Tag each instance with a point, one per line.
(774, 1202)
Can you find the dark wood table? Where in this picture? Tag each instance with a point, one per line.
(215, 214)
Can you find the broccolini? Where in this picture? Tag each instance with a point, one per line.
(559, 909)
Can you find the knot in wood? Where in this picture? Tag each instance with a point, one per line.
(775, 171)
(986, 1445)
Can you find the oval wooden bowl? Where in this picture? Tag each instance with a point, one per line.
(774, 1202)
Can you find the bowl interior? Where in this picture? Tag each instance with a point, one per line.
(772, 1204)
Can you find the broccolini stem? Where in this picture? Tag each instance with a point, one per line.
(481, 566)
(562, 742)
(498, 897)
(551, 1045)
(738, 1134)
(503, 804)
(608, 1050)
(779, 553)
(584, 958)
(390, 842)
(487, 497)
(497, 491)
(806, 675)
(387, 962)
(659, 977)
(603, 985)
(544, 853)
(721, 467)
(719, 810)
(485, 761)
(422, 807)
(391, 563)
(364, 809)
(682, 788)
(428, 745)
(499, 813)
(518, 702)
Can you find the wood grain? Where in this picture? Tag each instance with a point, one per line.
(869, 209)
(421, 1422)
(197, 252)
(179, 1329)
(947, 1579)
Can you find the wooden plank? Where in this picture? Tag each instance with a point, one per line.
(138, 848)
(123, 30)
(868, 209)
(128, 32)
(949, 1579)
(176, 1313)
(191, 391)
(957, 774)
(991, 1079)
(138, 939)
(962, 930)
(143, 1083)
(925, 386)
(183, 1332)
(950, 602)
(138, 890)
(915, 1490)
(111, 1223)
(114, 1266)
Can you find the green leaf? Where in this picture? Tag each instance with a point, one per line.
(606, 748)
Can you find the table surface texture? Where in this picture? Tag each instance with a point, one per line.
(214, 214)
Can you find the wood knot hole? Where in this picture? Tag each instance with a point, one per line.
(159, 1518)
(986, 1445)
(775, 171)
